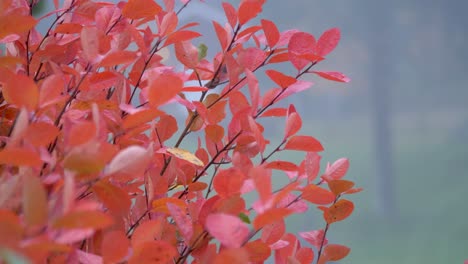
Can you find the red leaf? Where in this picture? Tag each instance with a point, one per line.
(271, 32)
(228, 182)
(180, 36)
(317, 195)
(305, 255)
(135, 9)
(251, 58)
(293, 122)
(328, 41)
(281, 79)
(333, 76)
(249, 9)
(301, 44)
(231, 255)
(34, 201)
(338, 211)
(114, 246)
(228, 229)
(163, 88)
(84, 219)
(335, 252)
(304, 143)
(222, 35)
(231, 14)
(270, 216)
(81, 133)
(275, 112)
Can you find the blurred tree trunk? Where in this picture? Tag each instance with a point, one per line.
(381, 23)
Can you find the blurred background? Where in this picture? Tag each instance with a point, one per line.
(402, 120)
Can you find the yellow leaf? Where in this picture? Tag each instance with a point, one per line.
(185, 155)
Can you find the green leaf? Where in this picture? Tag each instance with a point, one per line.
(202, 49)
(244, 218)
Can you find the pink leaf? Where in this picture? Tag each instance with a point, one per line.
(337, 170)
(299, 45)
(271, 32)
(314, 237)
(228, 229)
(328, 41)
(183, 221)
(130, 161)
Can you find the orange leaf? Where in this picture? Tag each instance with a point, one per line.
(136, 9)
(114, 246)
(214, 132)
(15, 24)
(81, 133)
(160, 205)
(228, 182)
(197, 186)
(147, 231)
(118, 57)
(34, 201)
(139, 118)
(282, 165)
(333, 252)
(166, 127)
(84, 161)
(163, 88)
(232, 255)
(304, 143)
(41, 133)
(20, 157)
(155, 252)
(338, 211)
(68, 28)
(258, 251)
(317, 195)
(270, 216)
(340, 186)
(19, 89)
(84, 219)
(10, 228)
(113, 197)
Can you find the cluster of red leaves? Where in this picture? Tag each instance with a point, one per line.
(87, 173)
